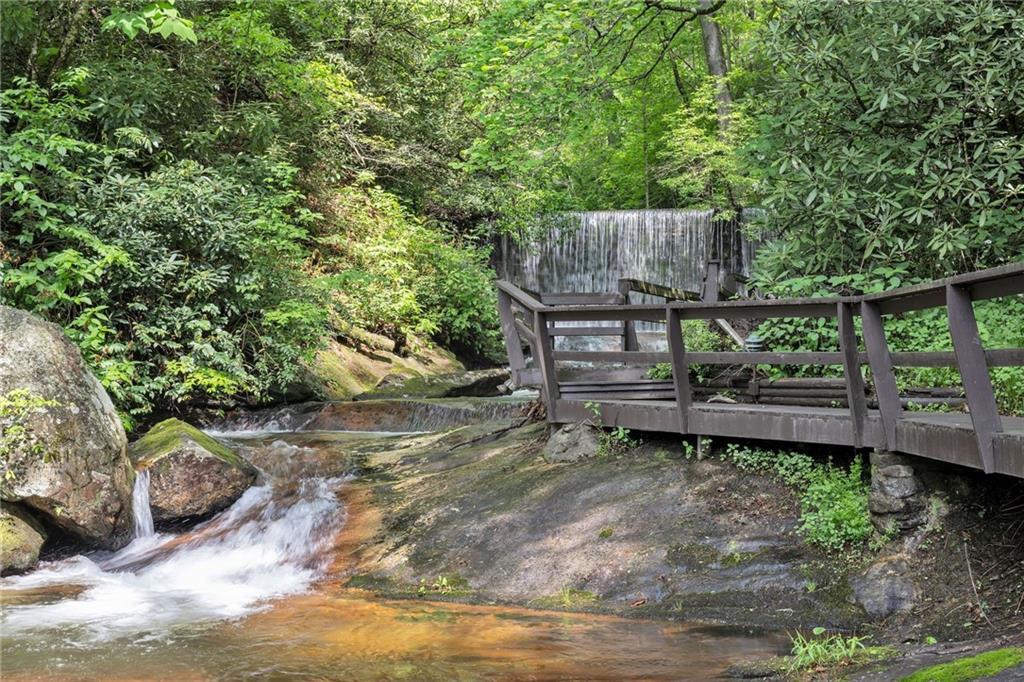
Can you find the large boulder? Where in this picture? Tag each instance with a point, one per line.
(21, 538)
(74, 469)
(191, 475)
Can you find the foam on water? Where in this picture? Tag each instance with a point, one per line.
(272, 542)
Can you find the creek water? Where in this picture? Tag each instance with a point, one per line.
(257, 592)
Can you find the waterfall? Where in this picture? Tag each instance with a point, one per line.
(591, 251)
(140, 505)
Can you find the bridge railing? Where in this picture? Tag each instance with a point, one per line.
(526, 318)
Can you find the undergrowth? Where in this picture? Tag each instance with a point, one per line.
(833, 500)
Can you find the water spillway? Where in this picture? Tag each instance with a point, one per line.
(590, 251)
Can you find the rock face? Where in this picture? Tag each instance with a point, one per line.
(482, 383)
(79, 477)
(885, 587)
(191, 474)
(21, 538)
(572, 443)
(897, 500)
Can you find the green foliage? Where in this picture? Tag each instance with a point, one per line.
(891, 137)
(156, 194)
(161, 18)
(699, 338)
(16, 438)
(832, 649)
(614, 442)
(833, 501)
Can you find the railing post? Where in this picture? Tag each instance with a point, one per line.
(851, 370)
(546, 361)
(709, 292)
(513, 344)
(629, 341)
(970, 360)
(881, 371)
(680, 370)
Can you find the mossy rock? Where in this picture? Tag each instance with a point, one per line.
(21, 538)
(192, 475)
(974, 667)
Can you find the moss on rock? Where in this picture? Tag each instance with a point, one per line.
(167, 436)
(21, 538)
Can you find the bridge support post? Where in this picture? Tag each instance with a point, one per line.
(970, 360)
(629, 341)
(546, 360)
(680, 370)
(881, 371)
(516, 361)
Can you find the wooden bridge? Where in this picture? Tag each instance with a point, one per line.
(845, 411)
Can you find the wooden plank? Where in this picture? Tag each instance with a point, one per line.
(680, 368)
(644, 415)
(626, 357)
(629, 341)
(651, 289)
(526, 333)
(520, 296)
(881, 371)
(669, 395)
(567, 387)
(586, 331)
(1004, 280)
(996, 357)
(970, 358)
(573, 298)
(513, 347)
(765, 358)
(851, 370)
(596, 313)
(546, 363)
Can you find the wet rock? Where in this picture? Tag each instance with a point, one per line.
(897, 500)
(571, 443)
(21, 538)
(482, 383)
(885, 588)
(191, 474)
(77, 474)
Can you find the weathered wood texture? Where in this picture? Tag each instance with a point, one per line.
(836, 411)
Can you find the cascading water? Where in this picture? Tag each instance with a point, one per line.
(274, 541)
(590, 251)
(140, 505)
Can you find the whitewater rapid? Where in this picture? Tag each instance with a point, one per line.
(274, 541)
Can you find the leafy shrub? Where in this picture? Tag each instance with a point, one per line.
(833, 501)
(179, 284)
(699, 337)
(396, 274)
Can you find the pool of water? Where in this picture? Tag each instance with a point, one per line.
(257, 592)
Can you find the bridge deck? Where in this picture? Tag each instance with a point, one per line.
(875, 415)
(947, 437)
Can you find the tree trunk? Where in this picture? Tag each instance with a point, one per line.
(717, 65)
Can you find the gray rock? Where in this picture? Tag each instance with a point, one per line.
(21, 538)
(191, 475)
(572, 443)
(885, 588)
(897, 500)
(80, 477)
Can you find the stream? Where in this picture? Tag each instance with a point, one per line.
(257, 591)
